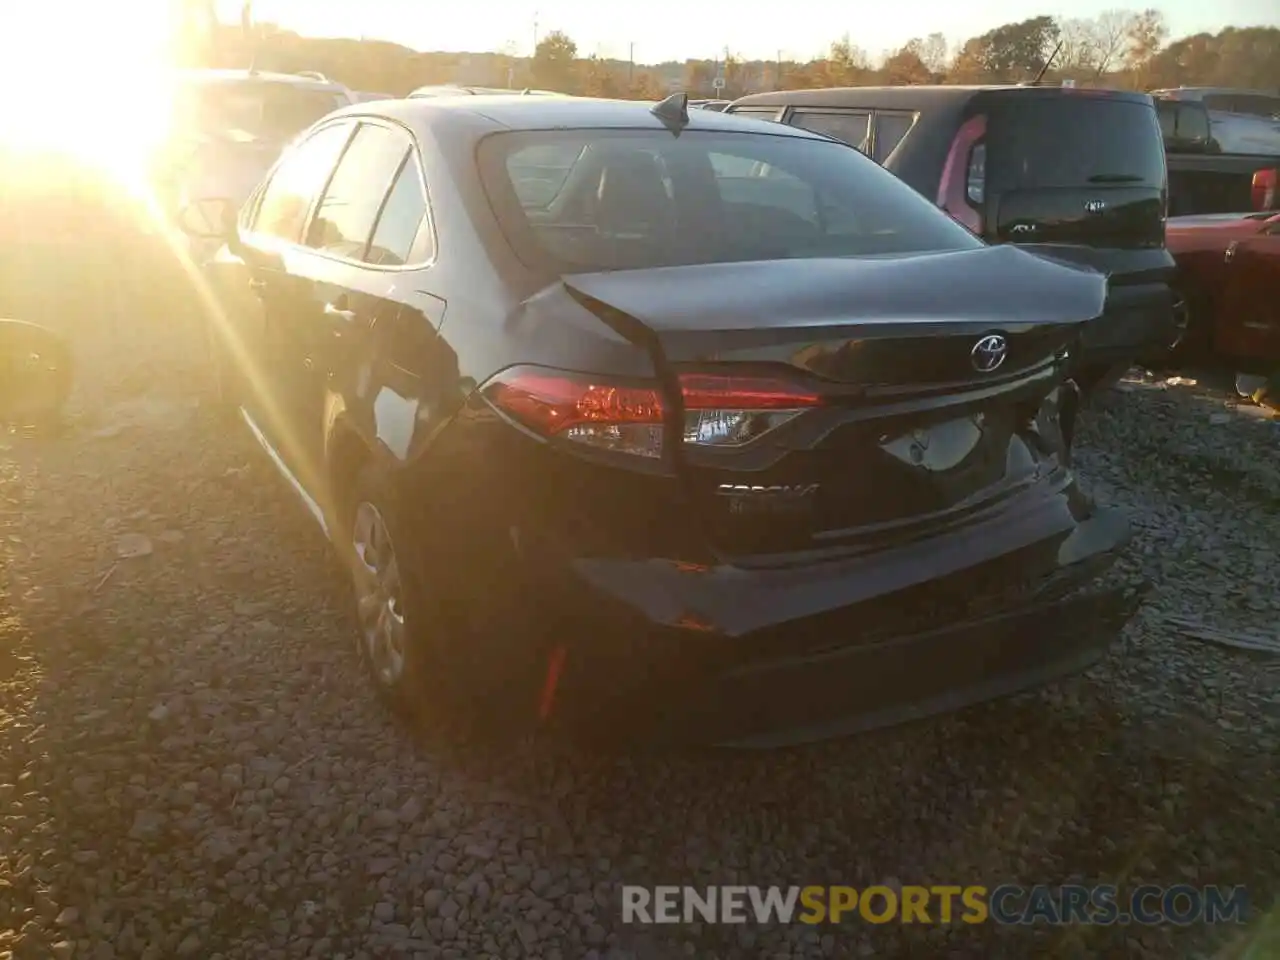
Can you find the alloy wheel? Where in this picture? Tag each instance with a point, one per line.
(379, 595)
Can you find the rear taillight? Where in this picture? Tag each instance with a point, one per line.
(962, 190)
(728, 411)
(1264, 189)
(719, 410)
(587, 410)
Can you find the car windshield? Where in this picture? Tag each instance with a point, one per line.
(261, 109)
(627, 199)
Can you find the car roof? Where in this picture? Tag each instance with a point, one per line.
(517, 112)
(1198, 92)
(256, 76)
(922, 97)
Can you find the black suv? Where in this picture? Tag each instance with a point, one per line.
(1076, 173)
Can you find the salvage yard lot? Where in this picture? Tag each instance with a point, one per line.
(192, 766)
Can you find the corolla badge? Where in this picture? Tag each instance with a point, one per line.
(1095, 206)
(989, 352)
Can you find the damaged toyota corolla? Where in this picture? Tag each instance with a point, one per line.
(665, 421)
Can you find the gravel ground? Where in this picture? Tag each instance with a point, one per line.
(192, 766)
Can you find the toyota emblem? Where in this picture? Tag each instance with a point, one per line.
(989, 352)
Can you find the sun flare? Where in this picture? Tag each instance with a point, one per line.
(87, 82)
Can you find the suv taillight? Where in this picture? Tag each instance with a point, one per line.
(963, 188)
(1264, 189)
(628, 417)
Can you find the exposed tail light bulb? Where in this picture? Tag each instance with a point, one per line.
(719, 410)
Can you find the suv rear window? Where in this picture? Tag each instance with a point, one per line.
(637, 199)
(1076, 139)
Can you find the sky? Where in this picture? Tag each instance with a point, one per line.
(678, 30)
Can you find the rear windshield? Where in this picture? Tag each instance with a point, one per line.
(1075, 140)
(590, 200)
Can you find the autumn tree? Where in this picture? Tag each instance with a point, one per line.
(553, 62)
(645, 86)
(970, 63)
(735, 75)
(1014, 51)
(599, 79)
(906, 66)
(1147, 34)
(932, 51)
(846, 65)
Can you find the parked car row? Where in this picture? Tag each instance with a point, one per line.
(668, 420)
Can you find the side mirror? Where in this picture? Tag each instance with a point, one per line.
(214, 218)
(35, 373)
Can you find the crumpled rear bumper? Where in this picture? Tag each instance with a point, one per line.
(945, 643)
(860, 688)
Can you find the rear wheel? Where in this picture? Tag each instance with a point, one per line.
(398, 638)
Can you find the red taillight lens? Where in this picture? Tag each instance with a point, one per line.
(589, 410)
(720, 410)
(1264, 189)
(963, 185)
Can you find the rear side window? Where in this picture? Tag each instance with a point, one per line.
(1256, 105)
(403, 235)
(891, 128)
(351, 201)
(1250, 104)
(638, 199)
(540, 171)
(852, 128)
(1182, 123)
(287, 197)
(1073, 141)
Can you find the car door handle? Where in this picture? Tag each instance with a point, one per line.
(257, 285)
(339, 313)
(1231, 251)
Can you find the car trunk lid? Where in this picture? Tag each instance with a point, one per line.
(931, 374)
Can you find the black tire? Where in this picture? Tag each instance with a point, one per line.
(414, 691)
(473, 667)
(1095, 379)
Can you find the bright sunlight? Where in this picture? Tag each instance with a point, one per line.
(87, 81)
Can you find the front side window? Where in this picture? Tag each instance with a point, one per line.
(852, 128)
(285, 201)
(636, 199)
(344, 220)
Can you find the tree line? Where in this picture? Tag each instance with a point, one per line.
(1119, 48)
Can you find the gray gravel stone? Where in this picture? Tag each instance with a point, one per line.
(192, 765)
